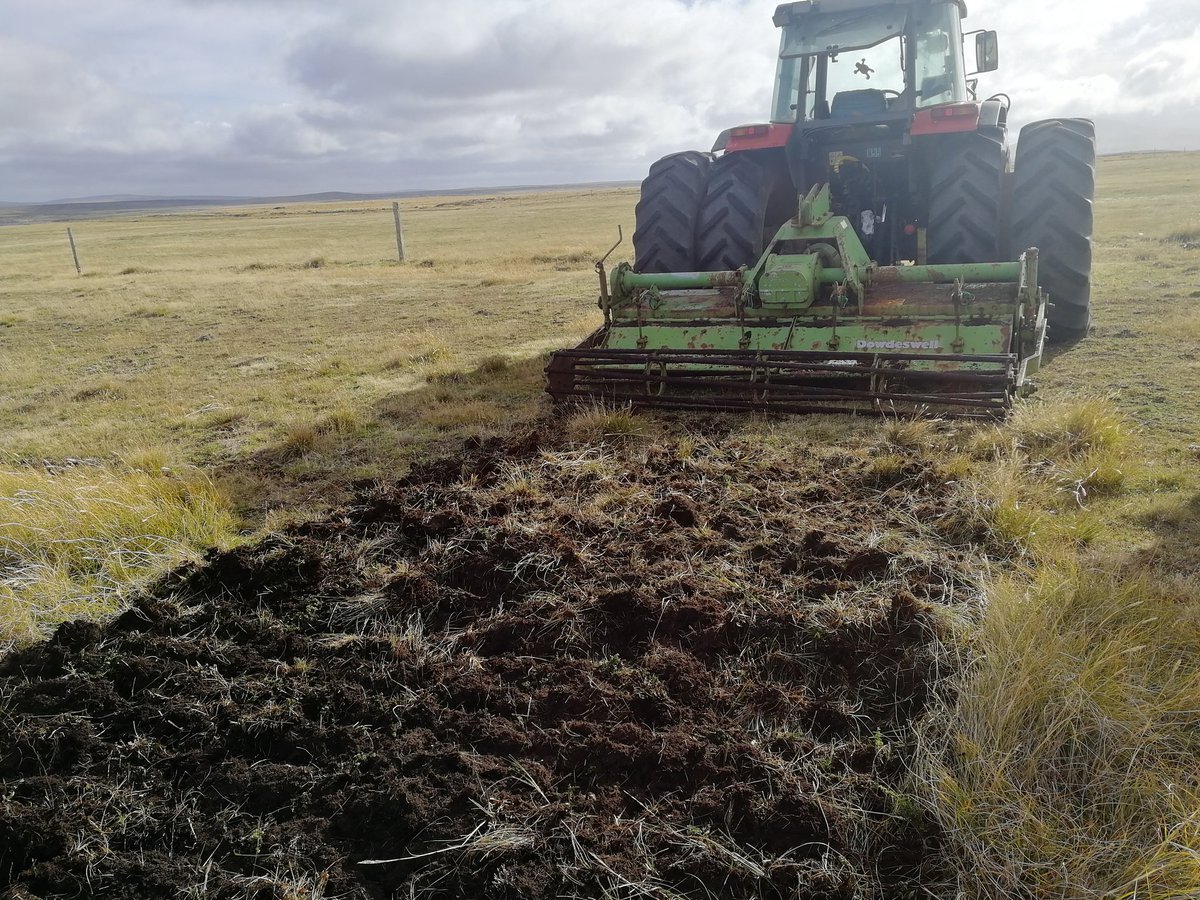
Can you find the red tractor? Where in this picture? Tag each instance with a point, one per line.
(875, 100)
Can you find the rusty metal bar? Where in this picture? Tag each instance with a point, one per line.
(735, 357)
(812, 372)
(625, 280)
(782, 381)
(941, 407)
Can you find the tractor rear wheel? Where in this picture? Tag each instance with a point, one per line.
(731, 230)
(966, 184)
(1053, 188)
(664, 236)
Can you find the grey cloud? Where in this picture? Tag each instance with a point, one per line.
(1140, 29)
(44, 91)
(541, 78)
(287, 96)
(511, 60)
(517, 62)
(282, 134)
(1148, 79)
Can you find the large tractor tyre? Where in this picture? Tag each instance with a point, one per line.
(1053, 188)
(965, 190)
(664, 235)
(731, 231)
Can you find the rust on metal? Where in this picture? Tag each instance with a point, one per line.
(789, 381)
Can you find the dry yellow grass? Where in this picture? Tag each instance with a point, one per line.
(1067, 766)
(282, 350)
(1064, 764)
(213, 334)
(72, 543)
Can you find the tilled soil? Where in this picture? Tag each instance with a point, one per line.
(688, 668)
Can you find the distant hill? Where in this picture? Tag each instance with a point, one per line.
(97, 207)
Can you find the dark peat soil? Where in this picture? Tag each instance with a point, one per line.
(536, 670)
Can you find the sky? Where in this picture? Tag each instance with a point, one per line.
(280, 97)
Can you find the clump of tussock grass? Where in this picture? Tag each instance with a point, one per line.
(1005, 504)
(1066, 766)
(341, 421)
(446, 379)
(335, 365)
(1047, 460)
(499, 280)
(299, 439)
(150, 460)
(912, 434)
(105, 389)
(436, 353)
(491, 372)
(457, 413)
(73, 543)
(598, 423)
(1062, 429)
(888, 467)
(220, 419)
(314, 262)
(564, 260)
(1188, 237)
(493, 365)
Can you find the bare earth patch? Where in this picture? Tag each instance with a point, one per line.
(542, 668)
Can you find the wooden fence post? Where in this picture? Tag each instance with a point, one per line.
(74, 254)
(399, 231)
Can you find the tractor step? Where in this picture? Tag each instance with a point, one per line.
(788, 381)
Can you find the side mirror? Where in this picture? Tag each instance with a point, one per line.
(987, 52)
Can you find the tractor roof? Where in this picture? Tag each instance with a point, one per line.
(786, 13)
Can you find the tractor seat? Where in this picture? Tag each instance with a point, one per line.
(867, 104)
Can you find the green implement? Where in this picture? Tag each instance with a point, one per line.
(814, 326)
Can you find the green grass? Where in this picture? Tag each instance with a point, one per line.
(1062, 763)
(1069, 765)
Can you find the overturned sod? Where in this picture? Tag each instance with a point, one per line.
(685, 667)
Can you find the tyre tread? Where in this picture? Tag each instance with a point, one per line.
(965, 200)
(730, 231)
(1053, 191)
(667, 212)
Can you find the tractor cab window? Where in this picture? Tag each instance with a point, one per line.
(793, 94)
(867, 62)
(834, 31)
(860, 78)
(939, 75)
(856, 61)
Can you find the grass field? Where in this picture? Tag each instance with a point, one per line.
(219, 372)
(208, 337)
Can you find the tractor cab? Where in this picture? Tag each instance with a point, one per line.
(856, 61)
(871, 98)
